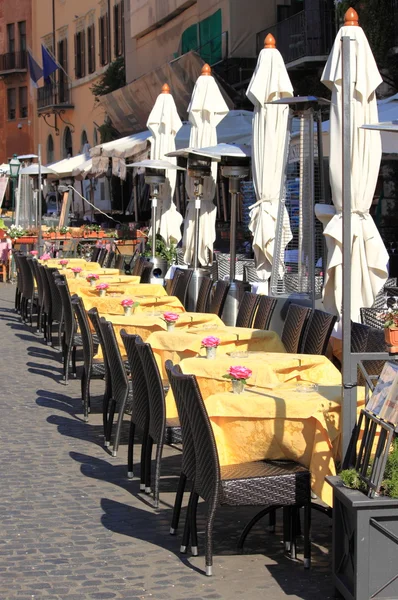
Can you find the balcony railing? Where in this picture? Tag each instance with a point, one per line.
(13, 61)
(54, 95)
(309, 33)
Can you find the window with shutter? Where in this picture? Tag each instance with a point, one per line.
(80, 54)
(91, 48)
(11, 103)
(103, 38)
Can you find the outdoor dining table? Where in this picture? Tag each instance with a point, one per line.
(122, 284)
(143, 324)
(178, 345)
(110, 303)
(74, 262)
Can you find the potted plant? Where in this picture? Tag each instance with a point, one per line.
(170, 319)
(211, 344)
(365, 531)
(165, 255)
(64, 231)
(390, 318)
(239, 376)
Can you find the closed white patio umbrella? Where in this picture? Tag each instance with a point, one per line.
(270, 81)
(164, 123)
(206, 109)
(369, 256)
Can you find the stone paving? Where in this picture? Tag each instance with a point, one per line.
(73, 526)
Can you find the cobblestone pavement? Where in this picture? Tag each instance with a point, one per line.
(73, 527)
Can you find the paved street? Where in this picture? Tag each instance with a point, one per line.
(74, 528)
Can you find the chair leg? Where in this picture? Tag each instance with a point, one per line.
(39, 317)
(211, 513)
(158, 461)
(287, 534)
(177, 503)
(293, 521)
(130, 451)
(148, 464)
(307, 538)
(74, 361)
(67, 354)
(192, 524)
(272, 521)
(49, 331)
(251, 524)
(85, 384)
(105, 406)
(119, 427)
(145, 438)
(187, 527)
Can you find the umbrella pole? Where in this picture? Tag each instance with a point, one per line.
(154, 207)
(349, 378)
(234, 189)
(198, 186)
(39, 238)
(300, 235)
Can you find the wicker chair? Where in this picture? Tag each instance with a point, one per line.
(47, 304)
(317, 333)
(121, 395)
(372, 317)
(146, 273)
(102, 256)
(139, 265)
(203, 295)
(294, 327)
(29, 296)
(18, 289)
(70, 339)
(91, 369)
(368, 339)
(385, 291)
(95, 254)
(265, 310)
(40, 294)
(56, 314)
(109, 259)
(119, 262)
(261, 483)
(171, 284)
(247, 309)
(188, 463)
(140, 407)
(181, 287)
(220, 292)
(94, 318)
(160, 431)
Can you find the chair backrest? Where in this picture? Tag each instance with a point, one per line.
(178, 274)
(146, 273)
(203, 295)
(28, 283)
(317, 333)
(219, 296)
(207, 463)
(139, 265)
(102, 256)
(95, 254)
(94, 318)
(109, 259)
(118, 375)
(250, 273)
(157, 404)
(119, 262)
(85, 332)
(372, 317)
(69, 318)
(19, 271)
(47, 300)
(188, 466)
(40, 288)
(247, 309)
(294, 327)
(368, 339)
(181, 287)
(379, 300)
(57, 313)
(140, 409)
(265, 310)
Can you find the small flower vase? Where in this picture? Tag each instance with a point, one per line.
(92, 282)
(238, 386)
(170, 326)
(102, 293)
(63, 267)
(127, 311)
(76, 275)
(211, 352)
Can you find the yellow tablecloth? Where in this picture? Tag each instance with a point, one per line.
(144, 324)
(103, 274)
(179, 345)
(72, 262)
(111, 304)
(269, 370)
(282, 423)
(78, 285)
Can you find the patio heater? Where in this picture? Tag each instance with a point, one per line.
(155, 177)
(299, 262)
(15, 166)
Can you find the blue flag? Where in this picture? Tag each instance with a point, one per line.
(35, 71)
(49, 64)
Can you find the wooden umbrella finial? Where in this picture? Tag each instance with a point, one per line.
(351, 18)
(269, 41)
(206, 70)
(165, 89)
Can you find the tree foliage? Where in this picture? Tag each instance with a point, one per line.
(113, 79)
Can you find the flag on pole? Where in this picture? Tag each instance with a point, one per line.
(35, 71)
(49, 64)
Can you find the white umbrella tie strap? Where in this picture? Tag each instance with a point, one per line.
(264, 201)
(361, 213)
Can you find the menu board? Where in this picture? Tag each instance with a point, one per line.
(384, 400)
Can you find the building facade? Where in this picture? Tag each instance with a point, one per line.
(84, 36)
(16, 94)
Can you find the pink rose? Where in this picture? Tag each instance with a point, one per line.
(92, 277)
(63, 262)
(45, 256)
(210, 342)
(102, 286)
(239, 372)
(34, 252)
(77, 269)
(127, 302)
(170, 317)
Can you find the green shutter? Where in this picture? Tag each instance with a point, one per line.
(189, 39)
(210, 38)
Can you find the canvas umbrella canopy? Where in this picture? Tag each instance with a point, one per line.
(164, 123)
(269, 82)
(206, 109)
(369, 256)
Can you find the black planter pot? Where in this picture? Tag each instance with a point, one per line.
(365, 544)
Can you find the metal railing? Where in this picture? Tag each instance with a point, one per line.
(308, 33)
(54, 94)
(13, 61)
